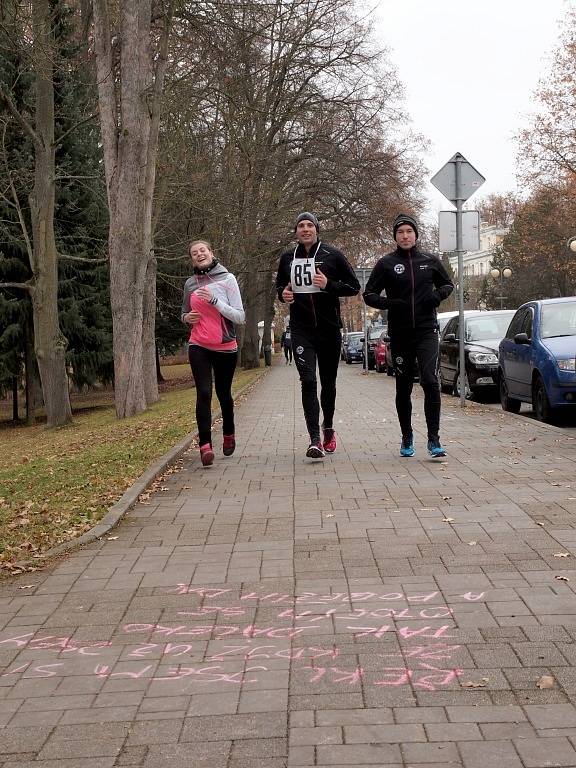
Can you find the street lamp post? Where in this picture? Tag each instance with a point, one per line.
(504, 272)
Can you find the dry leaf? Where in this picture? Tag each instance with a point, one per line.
(546, 681)
(446, 498)
(447, 519)
(27, 586)
(471, 543)
(561, 578)
(537, 523)
(329, 515)
(562, 554)
(112, 538)
(474, 684)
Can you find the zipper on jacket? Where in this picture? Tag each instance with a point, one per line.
(413, 288)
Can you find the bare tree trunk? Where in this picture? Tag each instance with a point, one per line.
(49, 341)
(159, 376)
(14, 398)
(33, 389)
(268, 296)
(149, 333)
(251, 341)
(129, 101)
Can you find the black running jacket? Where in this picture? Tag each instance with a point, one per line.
(317, 312)
(414, 283)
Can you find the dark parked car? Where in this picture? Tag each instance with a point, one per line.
(483, 332)
(354, 350)
(346, 338)
(537, 358)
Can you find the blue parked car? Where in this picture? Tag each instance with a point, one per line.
(537, 358)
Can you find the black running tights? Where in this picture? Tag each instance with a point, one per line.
(203, 362)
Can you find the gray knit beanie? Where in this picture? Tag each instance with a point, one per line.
(404, 218)
(306, 216)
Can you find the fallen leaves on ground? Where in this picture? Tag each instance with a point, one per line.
(545, 682)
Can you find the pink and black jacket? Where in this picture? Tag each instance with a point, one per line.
(215, 330)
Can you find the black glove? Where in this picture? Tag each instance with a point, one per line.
(398, 304)
(433, 300)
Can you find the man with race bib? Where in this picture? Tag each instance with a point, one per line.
(311, 278)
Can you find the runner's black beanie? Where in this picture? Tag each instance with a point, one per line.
(307, 217)
(404, 218)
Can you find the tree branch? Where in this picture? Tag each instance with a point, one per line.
(16, 204)
(73, 128)
(23, 286)
(82, 258)
(22, 122)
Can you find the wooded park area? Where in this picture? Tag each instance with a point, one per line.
(130, 127)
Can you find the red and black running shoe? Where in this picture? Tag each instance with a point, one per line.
(228, 445)
(206, 455)
(315, 450)
(329, 442)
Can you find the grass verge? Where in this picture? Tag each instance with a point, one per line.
(55, 484)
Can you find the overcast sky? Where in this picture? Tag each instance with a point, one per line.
(470, 70)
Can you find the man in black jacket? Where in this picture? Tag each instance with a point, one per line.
(311, 278)
(415, 283)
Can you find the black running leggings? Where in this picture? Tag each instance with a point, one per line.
(203, 361)
(406, 350)
(323, 349)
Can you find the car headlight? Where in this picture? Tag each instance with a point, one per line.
(483, 358)
(567, 365)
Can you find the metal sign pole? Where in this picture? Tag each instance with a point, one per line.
(364, 323)
(458, 180)
(460, 252)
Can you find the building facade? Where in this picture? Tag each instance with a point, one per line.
(477, 263)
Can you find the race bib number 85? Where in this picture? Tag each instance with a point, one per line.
(301, 275)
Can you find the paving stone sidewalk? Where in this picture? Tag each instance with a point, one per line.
(271, 611)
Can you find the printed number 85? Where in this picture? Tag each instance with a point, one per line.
(303, 274)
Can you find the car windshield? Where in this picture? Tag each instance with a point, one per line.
(374, 333)
(442, 323)
(487, 328)
(558, 319)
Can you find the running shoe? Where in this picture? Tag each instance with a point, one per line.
(315, 450)
(407, 446)
(228, 445)
(435, 449)
(329, 441)
(206, 455)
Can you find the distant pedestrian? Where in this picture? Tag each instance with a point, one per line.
(311, 278)
(211, 306)
(286, 344)
(414, 283)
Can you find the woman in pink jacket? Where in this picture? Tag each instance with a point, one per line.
(211, 306)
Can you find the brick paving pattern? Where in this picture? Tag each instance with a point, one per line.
(270, 611)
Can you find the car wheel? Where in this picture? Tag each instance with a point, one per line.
(508, 403)
(540, 403)
(348, 361)
(456, 386)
